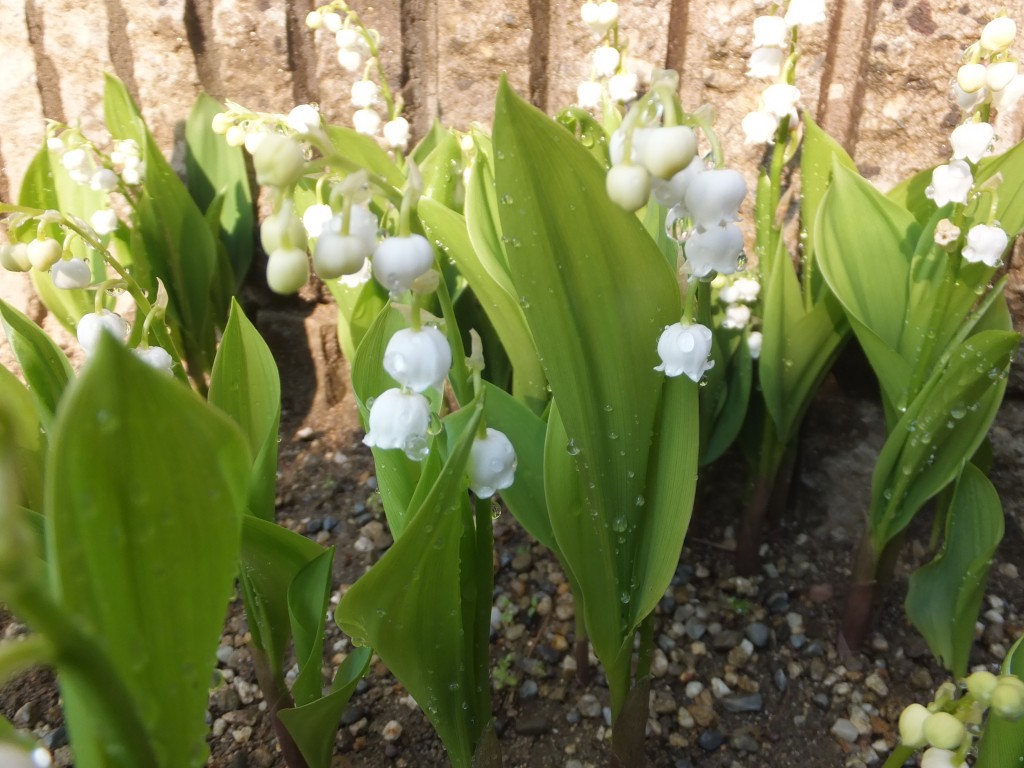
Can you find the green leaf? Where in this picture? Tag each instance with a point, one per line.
(941, 429)
(730, 418)
(178, 246)
(213, 168)
(1010, 208)
(245, 385)
(45, 367)
(944, 596)
(424, 606)
(863, 243)
(442, 172)
(145, 495)
(365, 152)
(479, 266)
(596, 292)
(28, 444)
(308, 596)
(272, 556)
(358, 307)
(314, 726)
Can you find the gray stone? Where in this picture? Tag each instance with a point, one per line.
(743, 702)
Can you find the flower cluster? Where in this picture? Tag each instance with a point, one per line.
(359, 51)
(989, 78)
(947, 726)
(738, 295)
(773, 58)
(609, 76)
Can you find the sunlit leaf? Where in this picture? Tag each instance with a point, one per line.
(45, 367)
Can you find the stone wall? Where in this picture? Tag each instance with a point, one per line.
(876, 75)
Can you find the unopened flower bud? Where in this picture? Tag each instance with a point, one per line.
(282, 230)
(940, 758)
(754, 342)
(12, 756)
(14, 257)
(278, 161)
(628, 186)
(492, 464)
(90, 327)
(666, 151)
(685, 349)
(981, 684)
(71, 274)
(398, 261)
(332, 21)
(1008, 698)
(314, 20)
(971, 77)
(672, 192)
(349, 59)
(911, 724)
(944, 730)
(998, 34)
(44, 253)
(1007, 98)
(315, 217)
(235, 136)
(287, 270)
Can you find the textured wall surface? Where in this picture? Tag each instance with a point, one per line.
(877, 74)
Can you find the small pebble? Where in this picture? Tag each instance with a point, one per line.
(589, 706)
(242, 734)
(392, 730)
(693, 689)
(750, 702)
(758, 634)
(719, 688)
(709, 741)
(844, 730)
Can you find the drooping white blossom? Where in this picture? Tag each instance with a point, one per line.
(669, 193)
(781, 99)
(714, 249)
(398, 261)
(92, 325)
(685, 350)
(736, 316)
(396, 133)
(599, 17)
(760, 127)
(71, 274)
(714, 196)
(315, 217)
(951, 183)
(802, 13)
(588, 95)
(156, 357)
(287, 270)
(770, 32)
(366, 121)
(1007, 98)
(743, 290)
(985, 244)
(668, 150)
(1000, 75)
(492, 464)
(754, 342)
(398, 419)
(971, 141)
(622, 87)
(628, 186)
(766, 63)
(304, 119)
(940, 758)
(418, 359)
(103, 221)
(606, 61)
(364, 93)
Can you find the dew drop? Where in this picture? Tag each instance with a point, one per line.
(572, 448)
(619, 524)
(624, 598)
(416, 448)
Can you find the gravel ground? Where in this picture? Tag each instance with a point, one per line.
(746, 670)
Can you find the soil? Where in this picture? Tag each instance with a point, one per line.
(769, 640)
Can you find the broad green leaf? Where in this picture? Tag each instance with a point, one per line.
(178, 245)
(365, 152)
(1002, 741)
(358, 306)
(941, 429)
(1010, 207)
(863, 242)
(442, 173)
(45, 367)
(213, 168)
(314, 726)
(413, 609)
(245, 385)
(308, 596)
(499, 302)
(588, 131)
(271, 558)
(28, 445)
(584, 269)
(729, 420)
(145, 495)
(945, 595)
(818, 152)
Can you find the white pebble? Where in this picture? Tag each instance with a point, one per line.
(392, 730)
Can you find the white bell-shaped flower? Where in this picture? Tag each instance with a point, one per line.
(287, 270)
(766, 63)
(103, 180)
(999, 75)
(801, 13)
(44, 253)
(998, 34)
(606, 61)
(669, 193)
(350, 59)
(398, 261)
(754, 342)
(951, 183)
(103, 222)
(714, 196)
(599, 17)
(685, 349)
(744, 290)
(971, 77)
(985, 244)
(760, 127)
(622, 87)
(156, 357)
(398, 420)
(968, 101)
(304, 119)
(336, 254)
(628, 186)
(971, 141)
(736, 316)
(668, 150)
(770, 32)
(366, 121)
(492, 464)
(1007, 98)
(396, 133)
(715, 249)
(418, 359)
(364, 93)
(90, 327)
(71, 274)
(781, 99)
(588, 95)
(315, 217)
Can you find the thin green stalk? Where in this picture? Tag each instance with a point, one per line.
(646, 650)
(899, 756)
